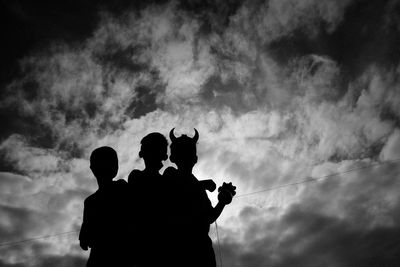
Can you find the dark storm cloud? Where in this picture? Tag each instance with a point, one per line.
(367, 34)
(318, 240)
(249, 66)
(5, 264)
(353, 34)
(26, 26)
(50, 261)
(29, 27)
(62, 261)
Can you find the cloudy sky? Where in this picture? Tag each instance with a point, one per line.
(279, 90)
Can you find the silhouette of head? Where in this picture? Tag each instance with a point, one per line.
(154, 150)
(183, 150)
(104, 164)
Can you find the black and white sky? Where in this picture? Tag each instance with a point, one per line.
(279, 90)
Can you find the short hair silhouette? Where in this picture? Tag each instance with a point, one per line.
(151, 145)
(104, 164)
(153, 150)
(105, 221)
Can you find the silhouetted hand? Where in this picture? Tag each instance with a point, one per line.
(208, 185)
(83, 245)
(226, 193)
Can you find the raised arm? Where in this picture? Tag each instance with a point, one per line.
(208, 185)
(225, 195)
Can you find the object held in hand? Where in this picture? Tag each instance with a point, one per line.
(226, 193)
(208, 185)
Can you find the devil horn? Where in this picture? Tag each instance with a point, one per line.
(172, 135)
(196, 135)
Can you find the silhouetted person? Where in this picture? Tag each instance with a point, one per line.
(104, 216)
(147, 197)
(191, 212)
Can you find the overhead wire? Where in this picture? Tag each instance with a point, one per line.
(8, 244)
(219, 245)
(314, 179)
(306, 180)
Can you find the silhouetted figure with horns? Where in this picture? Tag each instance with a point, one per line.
(191, 212)
(104, 223)
(147, 198)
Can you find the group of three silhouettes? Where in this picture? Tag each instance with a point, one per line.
(154, 219)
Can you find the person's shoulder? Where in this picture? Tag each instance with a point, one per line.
(120, 190)
(134, 176)
(194, 178)
(120, 182)
(90, 199)
(170, 171)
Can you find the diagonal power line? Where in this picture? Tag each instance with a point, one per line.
(9, 244)
(305, 180)
(314, 179)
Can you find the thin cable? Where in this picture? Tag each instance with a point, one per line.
(219, 246)
(7, 244)
(311, 179)
(308, 179)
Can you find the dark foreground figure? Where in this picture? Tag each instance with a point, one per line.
(147, 203)
(104, 217)
(190, 210)
(154, 220)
